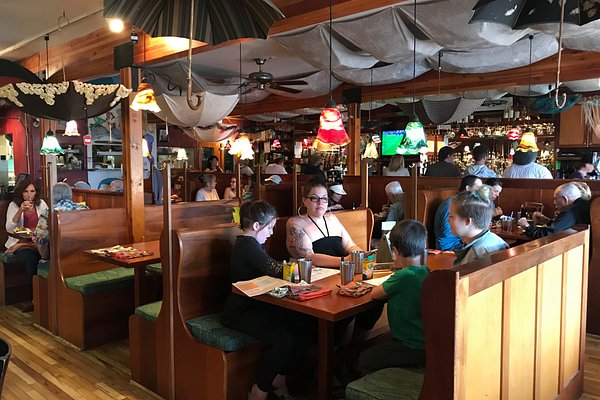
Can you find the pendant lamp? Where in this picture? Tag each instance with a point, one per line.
(71, 129)
(145, 98)
(242, 148)
(50, 146)
(331, 127)
(414, 140)
(181, 154)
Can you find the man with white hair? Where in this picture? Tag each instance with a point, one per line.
(395, 196)
(572, 201)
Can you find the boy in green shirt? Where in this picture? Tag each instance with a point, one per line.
(402, 291)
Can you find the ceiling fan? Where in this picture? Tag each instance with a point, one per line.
(262, 80)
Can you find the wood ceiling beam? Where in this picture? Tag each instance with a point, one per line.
(312, 16)
(576, 65)
(91, 56)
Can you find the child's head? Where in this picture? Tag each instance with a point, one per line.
(470, 212)
(409, 238)
(258, 219)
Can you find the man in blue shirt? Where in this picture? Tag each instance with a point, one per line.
(444, 239)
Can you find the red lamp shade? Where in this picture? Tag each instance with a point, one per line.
(331, 130)
(513, 134)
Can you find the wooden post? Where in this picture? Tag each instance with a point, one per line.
(185, 185)
(133, 175)
(415, 182)
(295, 185)
(364, 184)
(238, 178)
(353, 161)
(166, 258)
(50, 175)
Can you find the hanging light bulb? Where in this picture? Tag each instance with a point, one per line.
(50, 146)
(71, 129)
(414, 140)
(242, 148)
(331, 127)
(371, 150)
(181, 154)
(145, 99)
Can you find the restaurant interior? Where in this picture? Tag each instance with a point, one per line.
(128, 102)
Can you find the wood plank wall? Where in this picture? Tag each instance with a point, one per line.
(522, 330)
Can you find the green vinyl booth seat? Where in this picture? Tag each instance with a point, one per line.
(155, 268)
(43, 269)
(8, 258)
(103, 281)
(387, 384)
(149, 311)
(209, 330)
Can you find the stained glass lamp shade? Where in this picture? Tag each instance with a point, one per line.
(71, 129)
(331, 129)
(242, 148)
(145, 99)
(414, 141)
(50, 146)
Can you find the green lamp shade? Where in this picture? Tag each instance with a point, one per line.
(51, 145)
(414, 141)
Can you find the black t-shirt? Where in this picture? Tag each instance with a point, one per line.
(443, 169)
(249, 260)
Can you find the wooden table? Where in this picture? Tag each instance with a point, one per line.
(332, 308)
(138, 264)
(516, 234)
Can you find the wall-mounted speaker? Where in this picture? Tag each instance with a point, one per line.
(350, 96)
(123, 56)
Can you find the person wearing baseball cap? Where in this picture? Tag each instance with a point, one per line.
(524, 165)
(336, 192)
(275, 179)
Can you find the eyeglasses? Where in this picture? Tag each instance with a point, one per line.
(316, 199)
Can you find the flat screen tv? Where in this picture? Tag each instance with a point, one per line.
(390, 140)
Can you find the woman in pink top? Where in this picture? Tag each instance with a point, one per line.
(24, 211)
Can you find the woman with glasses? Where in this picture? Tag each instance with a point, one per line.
(230, 191)
(320, 236)
(281, 330)
(316, 234)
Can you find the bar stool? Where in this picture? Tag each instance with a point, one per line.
(5, 351)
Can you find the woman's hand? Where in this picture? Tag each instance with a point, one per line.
(26, 206)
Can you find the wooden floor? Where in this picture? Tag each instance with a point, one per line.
(42, 367)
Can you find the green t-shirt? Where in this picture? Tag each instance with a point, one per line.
(404, 305)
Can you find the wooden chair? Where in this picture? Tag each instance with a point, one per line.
(511, 325)
(147, 326)
(203, 371)
(428, 201)
(593, 309)
(89, 319)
